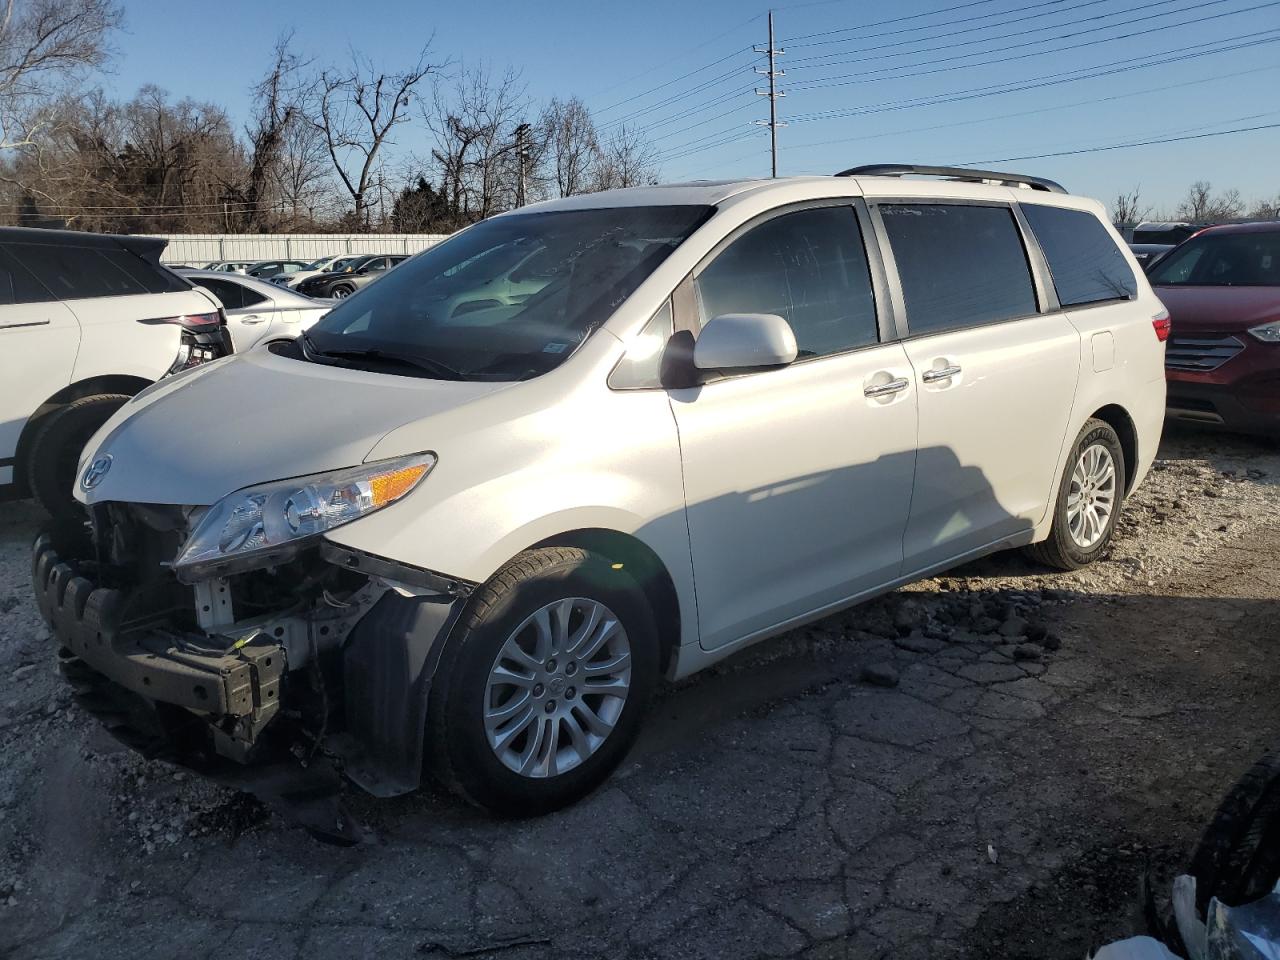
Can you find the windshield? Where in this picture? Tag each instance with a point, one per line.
(509, 298)
(317, 264)
(1222, 260)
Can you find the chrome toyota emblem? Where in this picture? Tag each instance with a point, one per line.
(94, 472)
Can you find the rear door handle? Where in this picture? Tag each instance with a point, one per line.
(944, 373)
(887, 389)
(253, 318)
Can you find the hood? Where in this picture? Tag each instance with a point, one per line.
(1219, 309)
(253, 418)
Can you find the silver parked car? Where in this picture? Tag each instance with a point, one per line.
(258, 310)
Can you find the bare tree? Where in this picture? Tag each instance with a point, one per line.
(278, 108)
(1128, 209)
(356, 111)
(625, 159)
(1266, 209)
(476, 152)
(572, 145)
(46, 46)
(1201, 206)
(303, 174)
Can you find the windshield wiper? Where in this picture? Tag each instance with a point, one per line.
(428, 364)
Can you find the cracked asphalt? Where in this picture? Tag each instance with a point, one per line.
(984, 764)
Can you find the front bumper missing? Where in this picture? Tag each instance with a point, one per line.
(222, 706)
(240, 686)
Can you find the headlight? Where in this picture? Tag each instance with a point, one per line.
(1268, 332)
(272, 521)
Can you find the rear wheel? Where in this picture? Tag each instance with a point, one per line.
(542, 687)
(55, 452)
(1089, 498)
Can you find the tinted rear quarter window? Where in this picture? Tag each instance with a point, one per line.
(960, 265)
(232, 294)
(1086, 264)
(72, 272)
(17, 285)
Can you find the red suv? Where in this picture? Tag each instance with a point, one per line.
(1222, 289)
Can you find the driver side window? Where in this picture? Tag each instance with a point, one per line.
(808, 267)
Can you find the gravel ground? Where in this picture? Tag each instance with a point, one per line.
(981, 765)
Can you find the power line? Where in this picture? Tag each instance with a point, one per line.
(1002, 21)
(1161, 58)
(674, 98)
(1163, 88)
(1127, 146)
(893, 20)
(687, 50)
(801, 63)
(871, 75)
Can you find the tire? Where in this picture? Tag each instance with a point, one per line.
(1238, 858)
(342, 291)
(499, 614)
(56, 448)
(1062, 549)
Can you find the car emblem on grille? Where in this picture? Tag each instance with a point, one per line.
(94, 472)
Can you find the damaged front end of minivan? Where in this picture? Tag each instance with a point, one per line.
(238, 642)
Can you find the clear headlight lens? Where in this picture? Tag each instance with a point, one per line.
(279, 517)
(1268, 332)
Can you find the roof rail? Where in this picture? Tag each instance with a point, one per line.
(952, 173)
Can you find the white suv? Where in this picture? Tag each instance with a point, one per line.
(470, 537)
(86, 321)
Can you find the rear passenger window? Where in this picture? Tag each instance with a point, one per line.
(233, 295)
(960, 265)
(809, 268)
(73, 273)
(17, 285)
(1083, 258)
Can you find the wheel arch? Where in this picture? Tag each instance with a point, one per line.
(90, 386)
(1118, 418)
(644, 566)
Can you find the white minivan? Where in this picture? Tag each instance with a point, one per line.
(467, 534)
(86, 321)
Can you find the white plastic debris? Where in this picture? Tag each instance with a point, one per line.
(1135, 948)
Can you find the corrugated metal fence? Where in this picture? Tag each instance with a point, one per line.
(196, 249)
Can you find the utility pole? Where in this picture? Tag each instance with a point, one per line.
(522, 159)
(773, 93)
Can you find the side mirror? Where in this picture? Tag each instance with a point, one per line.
(737, 341)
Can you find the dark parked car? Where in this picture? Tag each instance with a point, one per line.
(1148, 253)
(1168, 233)
(1222, 288)
(356, 274)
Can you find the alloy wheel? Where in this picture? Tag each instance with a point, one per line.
(557, 687)
(1091, 499)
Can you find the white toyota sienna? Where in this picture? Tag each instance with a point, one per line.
(466, 523)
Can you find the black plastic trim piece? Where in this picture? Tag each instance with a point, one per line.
(952, 173)
(375, 566)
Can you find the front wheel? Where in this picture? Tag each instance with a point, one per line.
(342, 291)
(542, 686)
(1089, 498)
(55, 452)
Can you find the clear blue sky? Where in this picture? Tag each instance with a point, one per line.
(856, 75)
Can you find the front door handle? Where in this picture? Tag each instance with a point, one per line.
(887, 389)
(252, 318)
(943, 373)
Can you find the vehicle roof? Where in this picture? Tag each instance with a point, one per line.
(1254, 226)
(148, 247)
(716, 192)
